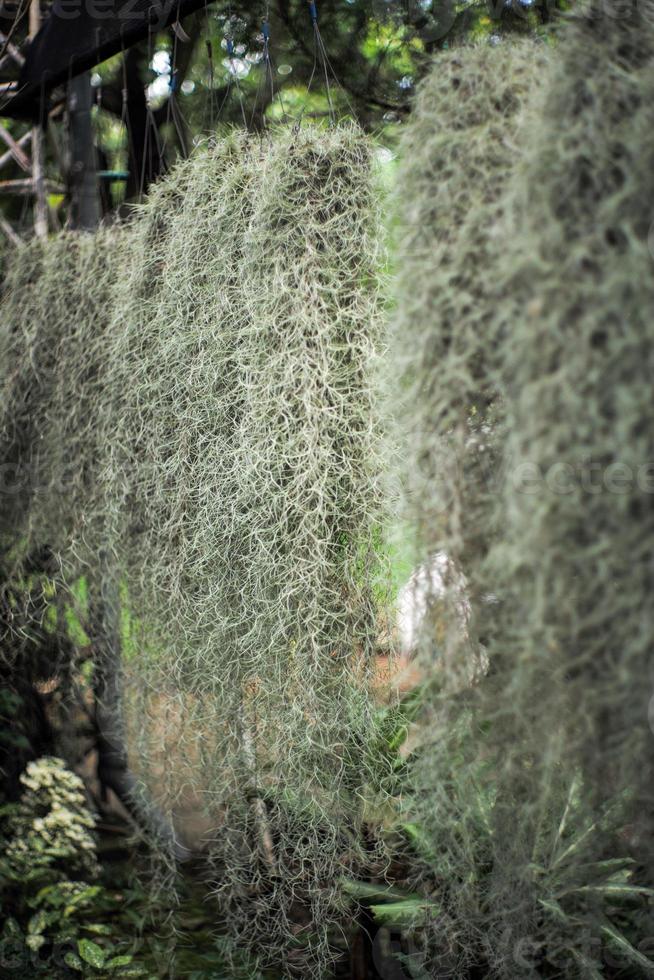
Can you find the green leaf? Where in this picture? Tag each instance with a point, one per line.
(407, 913)
(616, 866)
(99, 928)
(620, 877)
(37, 923)
(554, 909)
(51, 895)
(11, 927)
(420, 841)
(82, 899)
(16, 740)
(397, 740)
(569, 806)
(622, 945)
(35, 941)
(610, 890)
(91, 953)
(365, 889)
(74, 962)
(598, 867)
(575, 844)
(117, 961)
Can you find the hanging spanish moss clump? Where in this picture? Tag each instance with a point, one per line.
(23, 380)
(56, 312)
(534, 787)
(575, 560)
(247, 445)
(458, 153)
(224, 408)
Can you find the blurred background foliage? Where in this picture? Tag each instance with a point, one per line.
(180, 86)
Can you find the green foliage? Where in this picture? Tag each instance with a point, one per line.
(49, 849)
(457, 160)
(12, 733)
(215, 399)
(50, 827)
(530, 789)
(209, 411)
(59, 922)
(391, 906)
(58, 930)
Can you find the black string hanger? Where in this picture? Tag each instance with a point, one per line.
(321, 58)
(268, 77)
(233, 72)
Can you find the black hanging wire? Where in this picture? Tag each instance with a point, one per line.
(98, 90)
(42, 124)
(212, 73)
(233, 76)
(124, 113)
(27, 207)
(266, 77)
(214, 112)
(179, 120)
(104, 193)
(267, 80)
(27, 202)
(7, 41)
(67, 109)
(322, 63)
(173, 110)
(10, 33)
(150, 130)
(172, 83)
(321, 54)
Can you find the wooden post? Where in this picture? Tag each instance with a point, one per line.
(6, 228)
(15, 150)
(85, 201)
(12, 52)
(10, 155)
(38, 155)
(25, 185)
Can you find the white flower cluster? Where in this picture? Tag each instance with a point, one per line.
(53, 823)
